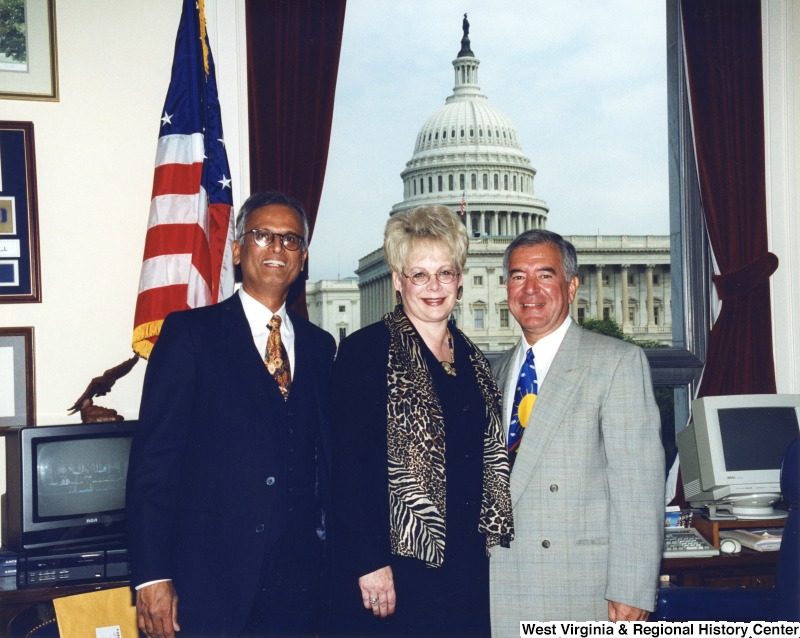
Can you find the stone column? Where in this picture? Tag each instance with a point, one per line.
(625, 321)
(651, 319)
(599, 300)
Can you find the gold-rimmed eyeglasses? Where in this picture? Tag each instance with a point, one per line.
(444, 276)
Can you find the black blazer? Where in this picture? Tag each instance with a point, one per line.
(207, 460)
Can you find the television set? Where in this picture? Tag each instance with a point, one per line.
(65, 485)
(731, 453)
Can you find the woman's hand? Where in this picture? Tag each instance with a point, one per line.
(377, 592)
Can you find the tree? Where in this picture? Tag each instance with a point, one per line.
(12, 30)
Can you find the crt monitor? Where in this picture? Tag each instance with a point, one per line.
(731, 453)
(65, 485)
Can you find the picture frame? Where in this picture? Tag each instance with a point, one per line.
(20, 272)
(17, 397)
(29, 55)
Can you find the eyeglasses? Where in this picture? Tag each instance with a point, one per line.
(422, 277)
(264, 237)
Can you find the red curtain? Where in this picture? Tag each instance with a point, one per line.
(723, 58)
(292, 61)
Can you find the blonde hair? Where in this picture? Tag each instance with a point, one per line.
(435, 224)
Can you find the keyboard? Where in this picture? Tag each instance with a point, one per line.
(686, 542)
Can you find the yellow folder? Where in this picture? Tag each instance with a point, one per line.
(108, 613)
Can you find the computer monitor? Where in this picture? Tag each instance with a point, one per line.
(731, 453)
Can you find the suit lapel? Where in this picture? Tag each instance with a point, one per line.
(245, 361)
(502, 370)
(550, 411)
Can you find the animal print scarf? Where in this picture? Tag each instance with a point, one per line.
(415, 436)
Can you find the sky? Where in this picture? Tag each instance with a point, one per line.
(583, 82)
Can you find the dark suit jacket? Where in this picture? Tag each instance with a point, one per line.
(208, 460)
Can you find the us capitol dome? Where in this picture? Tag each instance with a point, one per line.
(467, 156)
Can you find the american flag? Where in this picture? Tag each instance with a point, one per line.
(463, 202)
(187, 259)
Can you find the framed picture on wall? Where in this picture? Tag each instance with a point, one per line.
(20, 275)
(18, 389)
(28, 53)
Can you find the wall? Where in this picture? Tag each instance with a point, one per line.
(781, 26)
(95, 152)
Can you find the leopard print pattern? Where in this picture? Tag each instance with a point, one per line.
(416, 449)
(416, 445)
(497, 520)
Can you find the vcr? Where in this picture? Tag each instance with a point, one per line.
(48, 569)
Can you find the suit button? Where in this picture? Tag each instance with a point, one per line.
(545, 544)
(465, 408)
(554, 488)
(259, 528)
(270, 480)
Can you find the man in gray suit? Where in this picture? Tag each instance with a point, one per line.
(587, 481)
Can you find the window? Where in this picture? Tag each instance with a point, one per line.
(477, 280)
(474, 181)
(430, 184)
(504, 320)
(505, 182)
(479, 318)
(450, 182)
(631, 279)
(485, 182)
(461, 182)
(342, 308)
(496, 182)
(606, 280)
(501, 280)
(440, 182)
(606, 312)
(342, 333)
(656, 279)
(581, 314)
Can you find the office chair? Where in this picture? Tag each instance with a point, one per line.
(740, 604)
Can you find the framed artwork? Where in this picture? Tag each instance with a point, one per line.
(18, 390)
(28, 54)
(20, 275)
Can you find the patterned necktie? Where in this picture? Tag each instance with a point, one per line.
(524, 398)
(276, 359)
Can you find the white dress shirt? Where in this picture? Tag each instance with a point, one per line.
(258, 316)
(544, 351)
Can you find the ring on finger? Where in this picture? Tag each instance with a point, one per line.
(373, 600)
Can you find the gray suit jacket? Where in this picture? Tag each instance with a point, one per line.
(587, 488)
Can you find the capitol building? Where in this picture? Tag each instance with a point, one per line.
(467, 157)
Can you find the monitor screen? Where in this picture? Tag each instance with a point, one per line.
(756, 438)
(65, 485)
(78, 476)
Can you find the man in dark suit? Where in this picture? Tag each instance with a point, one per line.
(230, 461)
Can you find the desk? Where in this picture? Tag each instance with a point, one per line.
(748, 569)
(13, 600)
(710, 529)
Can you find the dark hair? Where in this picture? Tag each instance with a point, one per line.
(258, 200)
(569, 258)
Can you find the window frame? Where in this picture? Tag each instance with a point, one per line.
(690, 259)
